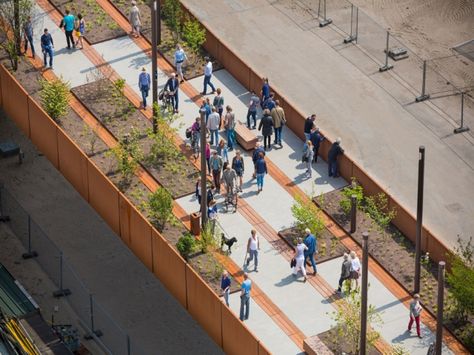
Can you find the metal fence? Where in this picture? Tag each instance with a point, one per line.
(96, 322)
(448, 82)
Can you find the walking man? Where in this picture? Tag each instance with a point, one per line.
(255, 155)
(310, 242)
(218, 102)
(179, 58)
(68, 23)
(415, 311)
(252, 112)
(279, 120)
(47, 47)
(207, 77)
(216, 164)
(144, 82)
(261, 171)
(265, 91)
(316, 138)
(334, 152)
(253, 246)
(135, 20)
(213, 123)
(266, 124)
(345, 272)
(28, 36)
(269, 103)
(229, 176)
(229, 125)
(172, 85)
(225, 286)
(245, 298)
(308, 126)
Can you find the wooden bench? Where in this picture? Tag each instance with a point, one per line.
(314, 346)
(246, 138)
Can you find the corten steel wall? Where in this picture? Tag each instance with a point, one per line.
(132, 227)
(252, 80)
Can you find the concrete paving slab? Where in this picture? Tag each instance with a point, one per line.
(394, 314)
(264, 328)
(72, 64)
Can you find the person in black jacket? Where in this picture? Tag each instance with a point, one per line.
(345, 272)
(334, 152)
(316, 138)
(308, 126)
(266, 124)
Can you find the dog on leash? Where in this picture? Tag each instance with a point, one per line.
(228, 242)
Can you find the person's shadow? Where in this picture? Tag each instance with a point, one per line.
(402, 337)
(286, 281)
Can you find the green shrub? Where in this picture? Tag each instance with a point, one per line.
(307, 215)
(353, 189)
(160, 207)
(376, 207)
(208, 240)
(185, 245)
(172, 16)
(54, 97)
(194, 34)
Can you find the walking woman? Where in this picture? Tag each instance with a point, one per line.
(309, 155)
(299, 257)
(196, 136)
(261, 170)
(238, 166)
(208, 157)
(415, 311)
(222, 150)
(225, 286)
(266, 124)
(355, 268)
(80, 30)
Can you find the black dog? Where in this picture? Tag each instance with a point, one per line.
(228, 242)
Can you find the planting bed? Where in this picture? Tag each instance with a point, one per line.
(100, 26)
(396, 254)
(195, 64)
(329, 247)
(337, 344)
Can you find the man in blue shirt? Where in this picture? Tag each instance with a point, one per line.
(173, 85)
(265, 91)
(68, 23)
(179, 58)
(310, 242)
(28, 34)
(47, 46)
(245, 298)
(144, 82)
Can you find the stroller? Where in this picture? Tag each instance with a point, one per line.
(165, 97)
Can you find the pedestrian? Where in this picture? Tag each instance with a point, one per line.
(229, 125)
(355, 268)
(238, 166)
(206, 106)
(144, 82)
(209, 195)
(208, 77)
(28, 36)
(256, 153)
(266, 124)
(222, 150)
(68, 22)
(229, 176)
(47, 47)
(197, 190)
(246, 287)
(316, 138)
(213, 126)
(225, 286)
(208, 157)
(135, 20)
(260, 170)
(218, 102)
(308, 126)
(80, 30)
(212, 215)
(334, 152)
(269, 103)
(279, 120)
(216, 167)
(312, 245)
(308, 154)
(253, 246)
(179, 58)
(345, 272)
(172, 85)
(415, 312)
(252, 111)
(299, 258)
(265, 93)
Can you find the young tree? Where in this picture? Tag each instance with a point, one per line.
(54, 97)
(194, 34)
(172, 15)
(160, 207)
(307, 215)
(13, 15)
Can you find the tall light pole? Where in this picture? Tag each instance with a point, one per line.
(439, 313)
(155, 40)
(419, 217)
(202, 113)
(363, 306)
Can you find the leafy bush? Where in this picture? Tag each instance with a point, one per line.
(353, 189)
(172, 16)
(461, 279)
(160, 207)
(208, 240)
(377, 208)
(54, 97)
(307, 215)
(194, 34)
(186, 245)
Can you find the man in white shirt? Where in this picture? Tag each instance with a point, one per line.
(207, 77)
(213, 122)
(253, 246)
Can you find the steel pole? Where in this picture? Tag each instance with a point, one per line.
(439, 312)
(154, 66)
(363, 306)
(419, 217)
(423, 95)
(353, 213)
(386, 66)
(462, 128)
(202, 113)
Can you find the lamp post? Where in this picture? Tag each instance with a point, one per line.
(363, 307)
(202, 113)
(419, 217)
(439, 313)
(155, 40)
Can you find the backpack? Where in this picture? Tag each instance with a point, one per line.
(188, 132)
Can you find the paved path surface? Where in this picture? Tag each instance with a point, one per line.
(377, 132)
